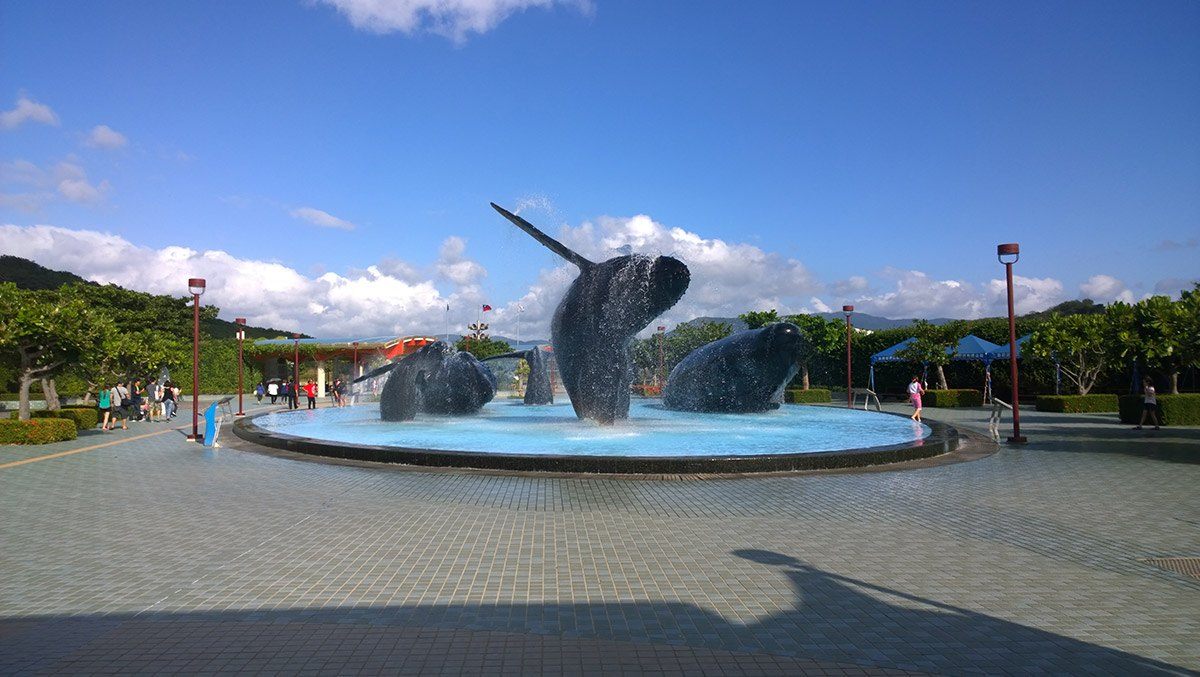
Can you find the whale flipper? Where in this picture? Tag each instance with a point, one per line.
(376, 372)
(550, 243)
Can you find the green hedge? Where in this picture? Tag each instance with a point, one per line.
(1181, 409)
(85, 419)
(810, 396)
(1078, 404)
(952, 398)
(37, 431)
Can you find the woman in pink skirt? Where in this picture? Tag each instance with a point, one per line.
(914, 393)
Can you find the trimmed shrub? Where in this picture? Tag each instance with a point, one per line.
(1183, 409)
(952, 398)
(84, 419)
(810, 396)
(1078, 404)
(37, 431)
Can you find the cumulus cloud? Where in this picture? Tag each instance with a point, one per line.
(268, 293)
(1106, 289)
(27, 110)
(103, 136)
(454, 19)
(67, 180)
(320, 218)
(453, 265)
(1171, 286)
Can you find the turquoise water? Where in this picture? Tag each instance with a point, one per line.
(509, 427)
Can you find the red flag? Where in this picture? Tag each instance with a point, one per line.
(486, 307)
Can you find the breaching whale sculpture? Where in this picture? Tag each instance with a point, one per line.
(437, 379)
(538, 389)
(594, 324)
(741, 373)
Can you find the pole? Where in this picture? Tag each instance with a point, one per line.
(241, 338)
(295, 375)
(354, 371)
(849, 310)
(849, 379)
(662, 358)
(195, 367)
(1012, 361)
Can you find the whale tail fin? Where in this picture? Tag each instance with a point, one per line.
(550, 243)
(519, 354)
(376, 372)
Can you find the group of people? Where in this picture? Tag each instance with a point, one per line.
(136, 400)
(290, 392)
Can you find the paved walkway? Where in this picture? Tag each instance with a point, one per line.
(156, 555)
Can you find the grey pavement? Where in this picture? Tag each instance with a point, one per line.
(157, 555)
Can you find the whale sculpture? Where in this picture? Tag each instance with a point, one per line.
(741, 373)
(538, 390)
(594, 324)
(437, 379)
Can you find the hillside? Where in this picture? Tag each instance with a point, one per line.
(28, 274)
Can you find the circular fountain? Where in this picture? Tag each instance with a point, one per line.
(507, 435)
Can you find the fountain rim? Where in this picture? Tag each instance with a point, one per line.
(943, 439)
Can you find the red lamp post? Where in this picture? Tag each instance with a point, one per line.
(354, 371)
(295, 394)
(1008, 254)
(196, 287)
(241, 336)
(662, 359)
(848, 310)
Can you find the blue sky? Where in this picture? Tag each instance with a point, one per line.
(802, 155)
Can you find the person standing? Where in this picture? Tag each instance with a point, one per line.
(258, 392)
(119, 404)
(293, 393)
(168, 400)
(104, 404)
(310, 393)
(1149, 403)
(915, 390)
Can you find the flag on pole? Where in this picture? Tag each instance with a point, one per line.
(486, 307)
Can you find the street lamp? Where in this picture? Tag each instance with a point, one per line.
(354, 371)
(241, 336)
(662, 359)
(295, 374)
(848, 310)
(1008, 254)
(196, 287)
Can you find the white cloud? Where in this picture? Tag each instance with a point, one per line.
(67, 178)
(267, 293)
(454, 266)
(103, 136)
(454, 19)
(27, 110)
(1106, 289)
(320, 218)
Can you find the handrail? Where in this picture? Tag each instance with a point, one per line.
(868, 395)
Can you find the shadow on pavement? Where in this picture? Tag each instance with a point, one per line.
(836, 623)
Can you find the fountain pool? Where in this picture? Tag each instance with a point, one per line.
(508, 435)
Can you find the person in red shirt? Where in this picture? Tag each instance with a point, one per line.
(310, 391)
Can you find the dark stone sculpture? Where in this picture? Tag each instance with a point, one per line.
(537, 389)
(742, 373)
(437, 379)
(594, 324)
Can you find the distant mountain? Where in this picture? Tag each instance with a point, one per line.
(32, 275)
(29, 275)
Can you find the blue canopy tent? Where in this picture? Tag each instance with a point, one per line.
(889, 355)
(971, 348)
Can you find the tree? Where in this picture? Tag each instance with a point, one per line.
(1083, 345)
(45, 331)
(759, 318)
(688, 337)
(821, 338)
(484, 346)
(1162, 332)
(934, 345)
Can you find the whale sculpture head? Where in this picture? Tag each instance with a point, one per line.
(594, 324)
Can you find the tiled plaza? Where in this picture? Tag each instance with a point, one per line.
(152, 554)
